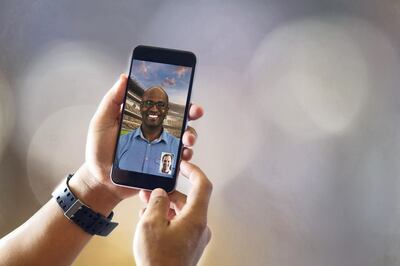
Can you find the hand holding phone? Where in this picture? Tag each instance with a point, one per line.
(102, 134)
(182, 231)
(155, 112)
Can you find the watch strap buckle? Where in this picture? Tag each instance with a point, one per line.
(74, 208)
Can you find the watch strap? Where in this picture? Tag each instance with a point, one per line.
(90, 221)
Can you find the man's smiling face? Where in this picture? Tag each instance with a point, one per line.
(166, 161)
(154, 107)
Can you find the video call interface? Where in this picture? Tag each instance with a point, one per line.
(153, 117)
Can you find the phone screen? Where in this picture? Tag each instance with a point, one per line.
(153, 118)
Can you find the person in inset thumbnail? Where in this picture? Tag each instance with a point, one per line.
(141, 149)
(166, 163)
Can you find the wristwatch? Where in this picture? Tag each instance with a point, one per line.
(75, 210)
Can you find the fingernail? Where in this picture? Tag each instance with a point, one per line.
(158, 192)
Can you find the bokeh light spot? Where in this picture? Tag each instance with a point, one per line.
(311, 77)
(57, 149)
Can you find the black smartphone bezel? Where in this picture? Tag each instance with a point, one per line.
(148, 181)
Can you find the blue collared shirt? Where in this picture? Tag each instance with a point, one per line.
(135, 153)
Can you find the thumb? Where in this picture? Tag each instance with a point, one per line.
(158, 206)
(110, 106)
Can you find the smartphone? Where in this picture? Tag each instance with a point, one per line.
(154, 117)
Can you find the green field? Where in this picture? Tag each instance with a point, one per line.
(124, 132)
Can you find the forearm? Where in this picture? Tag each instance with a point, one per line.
(48, 237)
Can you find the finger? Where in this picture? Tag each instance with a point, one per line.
(110, 106)
(189, 137)
(144, 195)
(195, 111)
(141, 211)
(207, 234)
(199, 195)
(187, 154)
(158, 206)
(171, 214)
(178, 200)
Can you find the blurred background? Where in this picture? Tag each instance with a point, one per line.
(301, 136)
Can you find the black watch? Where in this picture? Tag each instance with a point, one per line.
(75, 210)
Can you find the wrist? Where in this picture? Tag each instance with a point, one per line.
(164, 261)
(94, 194)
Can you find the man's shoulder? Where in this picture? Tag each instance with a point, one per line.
(129, 135)
(132, 132)
(174, 140)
